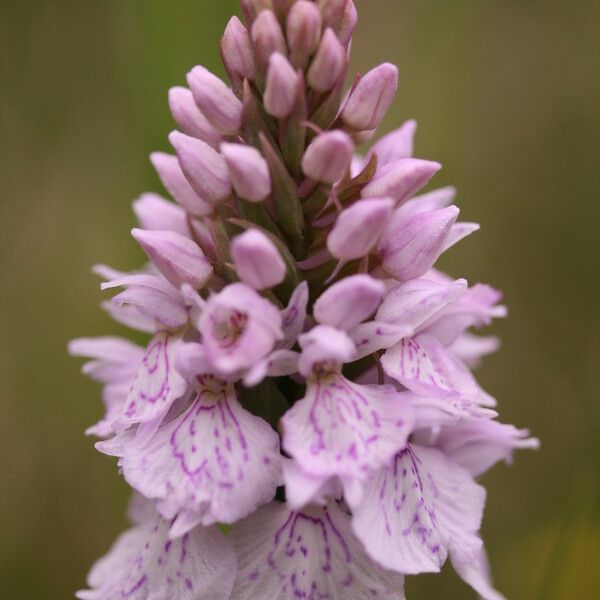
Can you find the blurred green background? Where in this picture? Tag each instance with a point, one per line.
(507, 96)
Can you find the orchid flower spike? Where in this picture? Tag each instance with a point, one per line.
(307, 377)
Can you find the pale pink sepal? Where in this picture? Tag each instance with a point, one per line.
(328, 64)
(248, 171)
(257, 260)
(236, 49)
(188, 116)
(303, 28)
(401, 179)
(169, 170)
(178, 258)
(348, 302)
(396, 144)
(409, 247)
(371, 98)
(358, 228)
(328, 156)
(282, 82)
(218, 103)
(155, 213)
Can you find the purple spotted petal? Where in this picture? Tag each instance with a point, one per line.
(143, 563)
(344, 429)
(421, 507)
(156, 386)
(293, 316)
(287, 555)
(216, 461)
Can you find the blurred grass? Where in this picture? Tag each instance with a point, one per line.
(507, 97)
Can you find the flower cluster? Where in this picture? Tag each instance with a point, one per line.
(303, 422)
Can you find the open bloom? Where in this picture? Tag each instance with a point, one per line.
(303, 421)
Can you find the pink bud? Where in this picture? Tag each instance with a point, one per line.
(349, 302)
(371, 98)
(155, 213)
(267, 38)
(172, 177)
(347, 23)
(189, 118)
(220, 106)
(178, 258)
(328, 156)
(303, 31)
(236, 49)
(328, 63)
(332, 11)
(396, 144)
(357, 228)
(248, 170)
(282, 7)
(280, 92)
(401, 179)
(257, 260)
(252, 8)
(410, 246)
(203, 166)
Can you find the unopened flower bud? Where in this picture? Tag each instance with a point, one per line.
(169, 170)
(155, 213)
(409, 247)
(257, 261)
(282, 7)
(358, 228)
(332, 12)
(401, 179)
(252, 8)
(178, 258)
(248, 171)
(220, 106)
(328, 63)
(267, 38)
(328, 157)
(303, 31)
(348, 22)
(236, 50)
(396, 144)
(189, 118)
(280, 92)
(371, 98)
(348, 302)
(203, 166)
